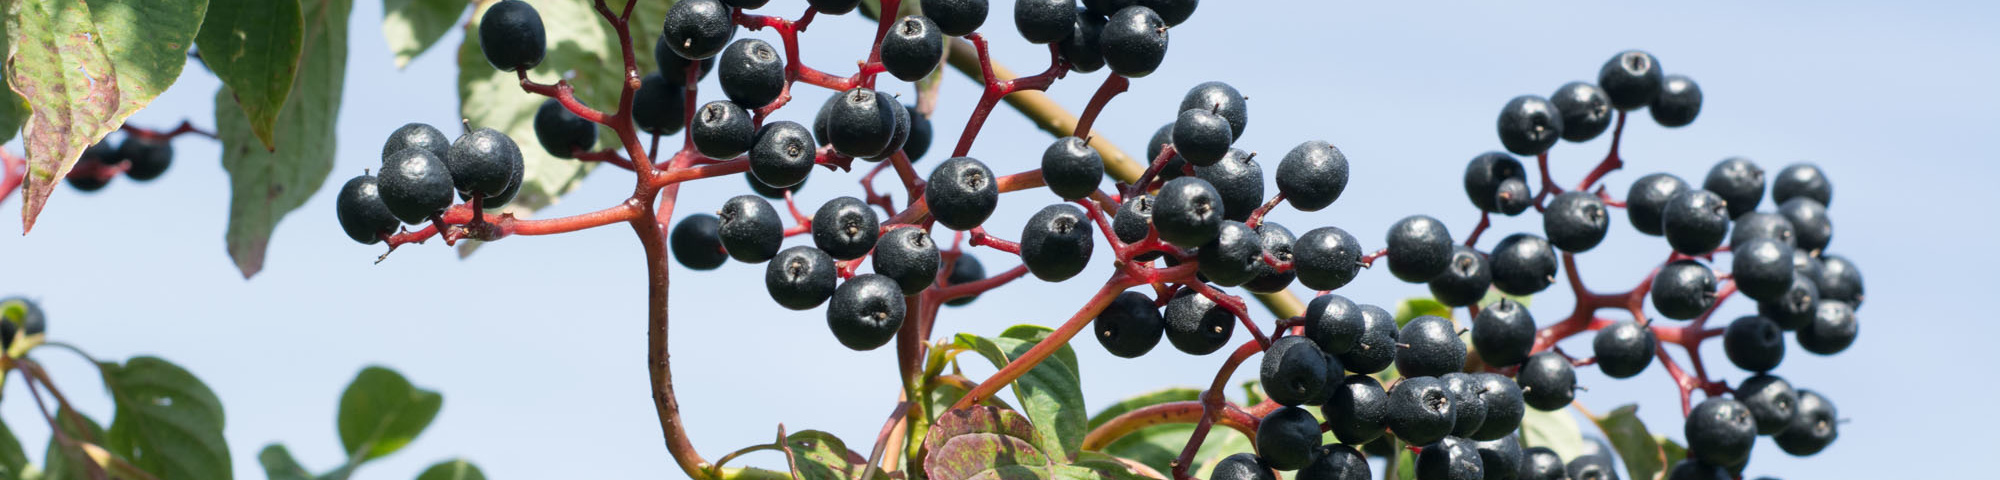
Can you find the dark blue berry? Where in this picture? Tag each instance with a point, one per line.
(1312, 175)
(1529, 125)
(1624, 349)
(698, 29)
(908, 255)
(800, 278)
(753, 73)
(1576, 221)
(1196, 325)
(750, 229)
(1187, 212)
(362, 214)
(1056, 243)
(561, 132)
(846, 228)
(697, 242)
(1683, 289)
(1737, 181)
(961, 193)
(865, 311)
(657, 108)
(1071, 168)
(1586, 110)
(415, 185)
(913, 48)
(511, 36)
(783, 154)
(1631, 78)
(1419, 248)
(1130, 326)
(723, 130)
(956, 17)
(1679, 101)
(1134, 41)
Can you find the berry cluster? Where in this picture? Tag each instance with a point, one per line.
(142, 156)
(1191, 225)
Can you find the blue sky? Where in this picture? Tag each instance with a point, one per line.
(537, 343)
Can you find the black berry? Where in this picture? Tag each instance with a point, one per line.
(1504, 406)
(1503, 332)
(961, 193)
(1586, 110)
(1335, 462)
(1071, 168)
(562, 133)
(1240, 181)
(1134, 41)
(1376, 349)
(1044, 21)
(1451, 458)
(1201, 136)
(698, 29)
(1691, 469)
(1839, 279)
(1679, 101)
(1646, 202)
(1771, 402)
(511, 36)
(415, 185)
(750, 229)
(483, 162)
(657, 106)
(753, 73)
(1809, 220)
(1431, 347)
(1483, 176)
(1815, 426)
(411, 135)
(1631, 78)
(362, 214)
(845, 228)
(1419, 248)
(1624, 349)
(966, 269)
(1695, 221)
(1762, 268)
(1134, 219)
(1231, 258)
(1222, 99)
(919, 141)
(1294, 372)
(1513, 197)
(1801, 180)
(956, 17)
(1832, 329)
(1312, 175)
(674, 67)
(1355, 409)
(912, 48)
(1737, 181)
(1241, 466)
(1541, 463)
(1334, 323)
(1683, 289)
(1276, 241)
(1187, 212)
(1420, 411)
(1175, 164)
(721, 130)
(1754, 343)
(1529, 125)
(1523, 264)
(1469, 406)
(800, 278)
(1196, 325)
(865, 312)
(1130, 326)
(1056, 243)
(1720, 431)
(1500, 458)
(860, 122)
(783, 154)
(1765, 225)
(149, 158)
(835, 7)
(1083, 47)
(1795, 308)
(898, 137)
(697, 242)
(1576, 221)
(1326, 258)
(1548, 382)
(908, 256)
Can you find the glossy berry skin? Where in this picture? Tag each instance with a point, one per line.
(1419, 248)
(1071, 168)
(1241, 466)
(1631, 78)
(1513, 197)
(1809, 220)
(1832, 329)
(1334, 323)
(674, 67)
(1771, 401)
(415, 185)
(783, 154)
(1044, 21)
(1695, 221)
(912, 49)
(1548, 382)
(1336, 462)
(1134, 41)
(1420, 411)
(1451, 458)
(1737, 181)
(1196, 325)
(1720, 431)
(1201, 136)
(899, 136)
(961, 193)
(1503, 332)
(511, 36)
(1689, 469)
(1130, 326)
(1646, 202)
(1801, 180)
(721, 130)
(1469, 406)
(1134, 218)
(1355, 409)
(1624, 349)
(1504, 406)
(1683, 289)
(699, 29)
(657, 107)
(1222, 99)
(908, 256)
(919, 141)
(1523, 264)
(1276, 241)
(1576, 221)
(865, 311)
(860, 122)
(956, 17)
(1083, 48)
(1816, 425)
(483, 162)
(845, 228)
(1586, 110)
(800, 278)
(1765, 225)
(753, 72)
(1499, 458)
(1240, 181)
(1839, 279)
(1231, 258)
(1484, 174)
(362, 214)
(1541, 463)
(410, 135)
(148, 158)
(1294, 371)
(1057, 242)
(561, 132)
(1433, 348)
(1529, 125)
(1754, 343)
(1188, 212)
(966, 269)
(697, 242)
(1762, 268)
(1375, 350)
(1795, 308)
(1326, 258)
(835, 7)
(750, 229)
(1312, 175)
(1679, 101)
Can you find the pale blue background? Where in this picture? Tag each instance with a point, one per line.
(537, 343)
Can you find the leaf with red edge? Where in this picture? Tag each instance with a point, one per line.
(61, 69)
(970, 455)
(979, 419)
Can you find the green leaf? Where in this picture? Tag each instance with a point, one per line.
(148, 43)
(1050, 393)
(822, 456)
(1419, 306)
(1253, 392)
(253, 46)
(1642, 455)
(381, 412)
(58, 464)
(265, 185)
(1556, 430)
(13, 110)
(279, 464)
(412, 26)
(13, 459)
(59, 67)
(1406, 464)
(167, 422)
(1674, 452)
(1143, 400)
(457, 469)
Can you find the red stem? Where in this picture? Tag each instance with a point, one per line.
(1113, 85)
